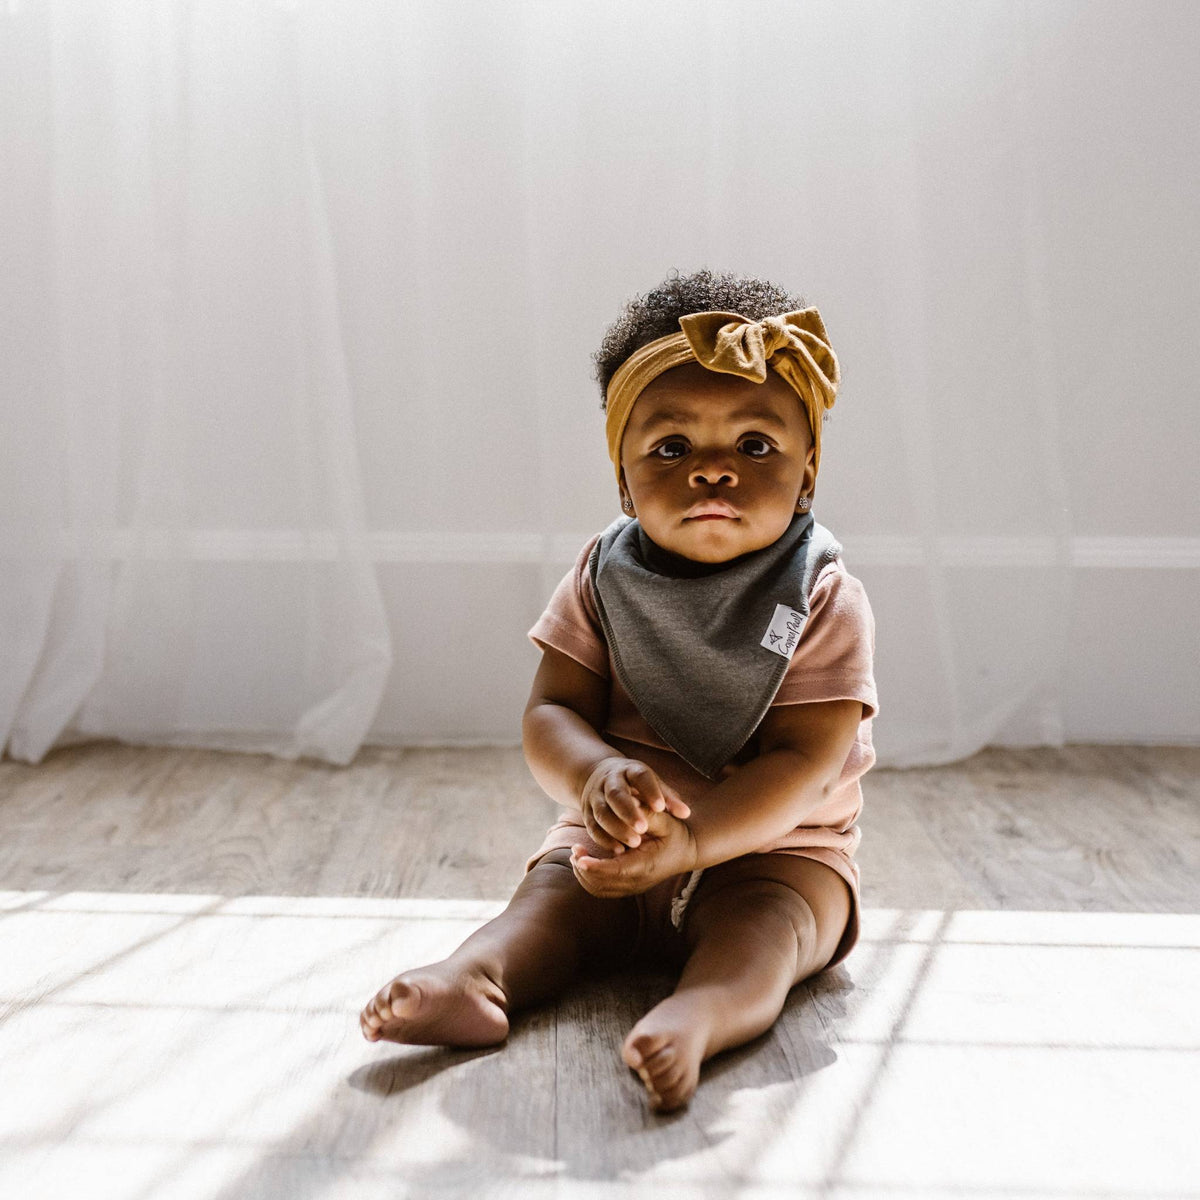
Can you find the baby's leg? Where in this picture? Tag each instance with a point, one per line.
(551, 931)
(756, 926)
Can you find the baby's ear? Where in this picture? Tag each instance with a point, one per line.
(808, 485)
(623, 493)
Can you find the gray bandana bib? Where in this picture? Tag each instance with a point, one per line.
(702, 648)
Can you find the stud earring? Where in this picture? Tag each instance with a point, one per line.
(803, 503)
(627, 504)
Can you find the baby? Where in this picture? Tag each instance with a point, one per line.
(702, 710)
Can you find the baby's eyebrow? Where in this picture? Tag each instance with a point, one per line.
(745, 414)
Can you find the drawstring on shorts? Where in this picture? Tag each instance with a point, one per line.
(680, 903)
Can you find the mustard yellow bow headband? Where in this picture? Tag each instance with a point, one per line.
(795, 345)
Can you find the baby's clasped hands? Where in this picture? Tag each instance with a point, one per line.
(638, 821)
(618, 799)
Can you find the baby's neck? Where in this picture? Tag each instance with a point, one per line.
(679, 566)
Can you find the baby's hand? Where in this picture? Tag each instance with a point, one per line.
(618, 799)
(668, 848)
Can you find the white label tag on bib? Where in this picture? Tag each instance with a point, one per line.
(784, 630)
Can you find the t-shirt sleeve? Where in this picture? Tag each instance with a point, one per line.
(571, 622)
(834, 659)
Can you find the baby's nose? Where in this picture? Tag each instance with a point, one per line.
(714, 468)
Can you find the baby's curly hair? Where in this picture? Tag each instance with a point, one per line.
(657, 313)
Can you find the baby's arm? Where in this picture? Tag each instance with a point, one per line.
(803, 748)
(567, 706)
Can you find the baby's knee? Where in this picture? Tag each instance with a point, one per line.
(552, 870)
(552, 879)
(773, 899)
(552, 897)
(554, 858)
(765, 909)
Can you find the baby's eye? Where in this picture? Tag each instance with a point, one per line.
(682, 449)
(752, 442)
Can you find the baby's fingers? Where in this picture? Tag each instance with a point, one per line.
(596, 821)
(658, 796)
(677, 808)
(626, 807)
(614, 826)
(602, 876)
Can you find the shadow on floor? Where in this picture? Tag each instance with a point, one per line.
(556, 1099)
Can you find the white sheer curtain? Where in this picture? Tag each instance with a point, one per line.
(298, 301)
(185, 556)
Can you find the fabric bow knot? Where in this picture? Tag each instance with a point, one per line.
(727, 342)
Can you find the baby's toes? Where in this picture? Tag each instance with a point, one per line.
(369, 1020)
(672, 1080)
(664, 1067)
(664, 1070)
(378, 1012)
(639, 1047)
(400, 1000)
(673, 1095)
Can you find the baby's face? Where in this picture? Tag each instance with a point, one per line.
(699, 441)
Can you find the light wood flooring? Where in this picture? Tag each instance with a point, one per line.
(186, 938)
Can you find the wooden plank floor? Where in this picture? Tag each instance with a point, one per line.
(186, 937)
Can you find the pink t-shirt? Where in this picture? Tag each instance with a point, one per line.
(833, 661)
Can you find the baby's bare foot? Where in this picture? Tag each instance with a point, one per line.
(439, 1005)
(666, 1048)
